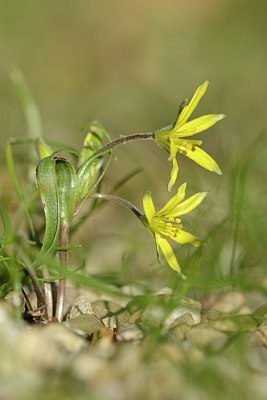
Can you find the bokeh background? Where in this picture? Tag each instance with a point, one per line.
(129, 65)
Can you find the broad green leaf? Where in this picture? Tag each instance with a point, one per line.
(67, 185)
(57, 181)
(47, 182)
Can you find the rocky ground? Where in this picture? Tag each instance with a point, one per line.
(164, 348)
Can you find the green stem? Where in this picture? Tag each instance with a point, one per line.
(122, 140)
(63, 258)
(120, 201)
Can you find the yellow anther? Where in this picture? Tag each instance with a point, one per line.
(187, 145)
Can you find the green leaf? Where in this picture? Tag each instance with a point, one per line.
(93, 283)
(57, 181)
(14, 178)
(30, 108)
(46, 179)
(6, 226)
(67, 185)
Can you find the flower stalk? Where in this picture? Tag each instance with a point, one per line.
(119, 200)
(122, 140)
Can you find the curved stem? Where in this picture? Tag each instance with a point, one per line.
(122, 140)
(120, 201)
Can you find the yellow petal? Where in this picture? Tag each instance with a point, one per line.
(168, 253)
(149, 207)
(188, 110)
(174, 174)
(175, 168)
(173, 202)
(172, 149)
(186, 237)
(198, 125)
(204, 159)
(189, 204)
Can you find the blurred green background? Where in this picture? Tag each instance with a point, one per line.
(129, 65)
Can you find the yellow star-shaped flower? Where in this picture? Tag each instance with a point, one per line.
(165, 223)
(174, 138)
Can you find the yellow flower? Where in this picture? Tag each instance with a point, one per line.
(173, 138)
(165, 223)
